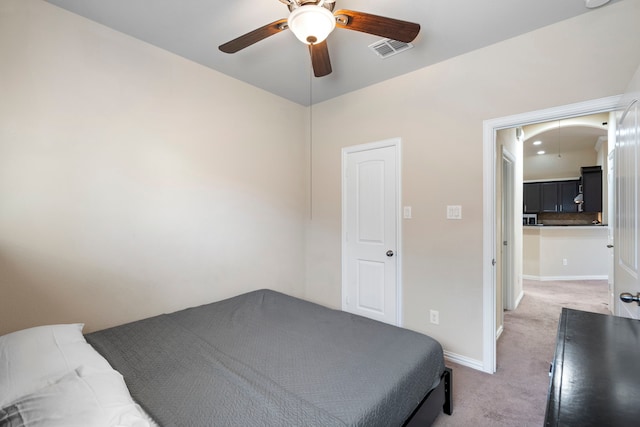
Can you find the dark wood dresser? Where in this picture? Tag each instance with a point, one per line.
(595, 375)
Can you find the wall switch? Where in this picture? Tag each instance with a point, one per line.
(434, 317)
(564, 261)
(406, 212)
(454, 212)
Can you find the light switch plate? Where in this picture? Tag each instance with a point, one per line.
(454, 212)
(406, 212)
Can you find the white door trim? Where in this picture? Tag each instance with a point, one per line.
(508, 261)
(397, 144)
(490, 127)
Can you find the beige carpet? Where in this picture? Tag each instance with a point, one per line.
(515, 396)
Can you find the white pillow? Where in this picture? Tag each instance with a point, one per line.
(67, 402)
(34, 358)
(112, 394)
(76, 401)
(55, 359)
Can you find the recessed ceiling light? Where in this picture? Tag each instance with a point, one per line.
(541, 152)
(537, 142)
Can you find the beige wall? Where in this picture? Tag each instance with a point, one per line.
(438, 112)
(566, 167)
(584, 248)
(633, 89)
(531, 252)
(134, 182)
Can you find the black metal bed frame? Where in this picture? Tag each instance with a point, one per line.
(437, 400)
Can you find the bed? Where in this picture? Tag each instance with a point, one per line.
(265, 358)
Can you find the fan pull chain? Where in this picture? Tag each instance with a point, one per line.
(559, 140)
(311, 143)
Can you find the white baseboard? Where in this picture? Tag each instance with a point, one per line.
(500, 330)
(464, 361)
(560, 278)
(519, 299)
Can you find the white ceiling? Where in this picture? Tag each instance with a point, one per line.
(568, 135)
(280, 64)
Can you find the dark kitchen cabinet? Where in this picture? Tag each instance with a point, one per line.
(531, 197)
(549, 194)
(567, 192)
(592, 188)
(558, 196)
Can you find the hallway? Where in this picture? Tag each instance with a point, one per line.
(515, 396)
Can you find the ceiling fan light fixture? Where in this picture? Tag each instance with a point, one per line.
(592, 4)
(311, 24)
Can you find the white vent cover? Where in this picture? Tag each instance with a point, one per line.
(387, 47)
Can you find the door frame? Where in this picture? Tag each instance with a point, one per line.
(489, 232)
(611, 212)
(508, 222)
(396, 143)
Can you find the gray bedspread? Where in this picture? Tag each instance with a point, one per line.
(268, 359)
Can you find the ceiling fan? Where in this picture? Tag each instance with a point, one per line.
(313, 20)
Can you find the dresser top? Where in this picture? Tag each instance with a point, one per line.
(596, 371)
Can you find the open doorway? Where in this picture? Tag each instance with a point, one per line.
(559, 160)
(492, 202)
(562, 241)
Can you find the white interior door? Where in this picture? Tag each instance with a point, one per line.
(626, 211)
(370, 223)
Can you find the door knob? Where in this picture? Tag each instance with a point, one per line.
(389, 253)
(609, 246)
(627, 297)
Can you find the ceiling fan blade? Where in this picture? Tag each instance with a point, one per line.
(320, 59)
(390, 28)
(254, 36)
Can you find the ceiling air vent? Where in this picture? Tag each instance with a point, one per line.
(387, 47)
